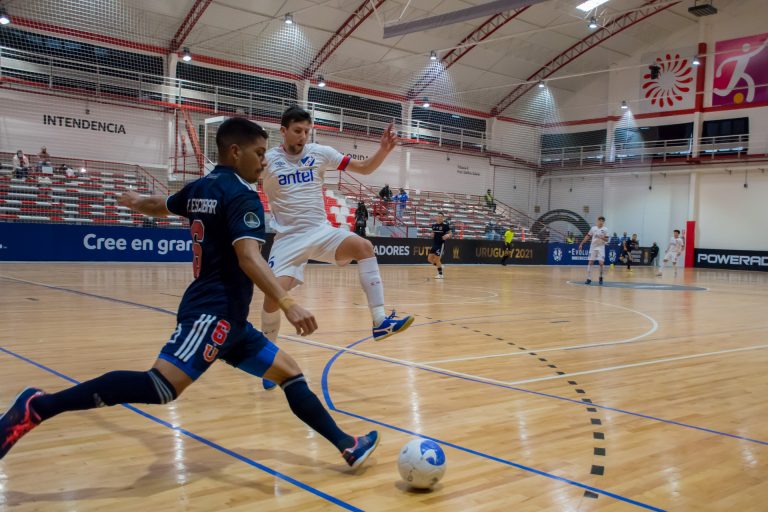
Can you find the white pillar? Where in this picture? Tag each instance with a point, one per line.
(407, 119)
(610, 136)
(303, 92)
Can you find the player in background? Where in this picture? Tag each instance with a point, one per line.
(227, 225)
(509, 235)
(674, 250)
(293, 182)
(599, 236)
(442, 232)
(630, 245)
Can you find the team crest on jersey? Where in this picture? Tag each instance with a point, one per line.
(252, 220)
(308, 161)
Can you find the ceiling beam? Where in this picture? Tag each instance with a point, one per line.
(466, 45)
(596, 38)
(453, 17)
(363, 11)
(190, 20)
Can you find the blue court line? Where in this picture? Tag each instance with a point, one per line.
(373, 356)
(332, 406)
(211, 444)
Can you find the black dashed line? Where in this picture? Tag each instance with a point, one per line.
(510, 343)
(598, 470)
(580, 391)
(600, 451)
(500, 339)
(488, 334)
(598, 435)
(552, 366)
(591, 409)
(590, 494)
(587, 400)
(542, 360)
(596, 421)
(572, 382)
(560, 373)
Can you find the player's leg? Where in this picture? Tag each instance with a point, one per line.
(342, 247)
(602, 268)
(505, 256)
(662, 263)
(271, 318)
(164, 382)
(260, 357)
(439, 263)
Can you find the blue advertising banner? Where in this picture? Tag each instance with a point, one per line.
(569, 254)
(52, 242)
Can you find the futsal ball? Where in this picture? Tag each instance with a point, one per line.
(421, 463)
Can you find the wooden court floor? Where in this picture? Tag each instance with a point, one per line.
(547, 396)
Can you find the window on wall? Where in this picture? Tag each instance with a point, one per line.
(81, 52)
(459, 121)
(565, 140)
(726, 127)
(725, 136)
(682, 131)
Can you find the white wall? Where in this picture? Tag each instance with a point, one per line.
(731, 216)
(420, 169)
(22, 126)
(630, 206)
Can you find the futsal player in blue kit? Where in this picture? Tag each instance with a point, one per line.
(227, 225)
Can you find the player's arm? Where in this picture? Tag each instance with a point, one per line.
(587, 237)
(387, 144)
(153, 206)
(251, 261)
(448, 234)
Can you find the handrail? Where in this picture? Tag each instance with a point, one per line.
(188, 92)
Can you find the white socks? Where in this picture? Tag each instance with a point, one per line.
(589, 271)
(270, 324)
(370, 280)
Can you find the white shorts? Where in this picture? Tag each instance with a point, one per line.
(671, 256)
(291, 251)
(597, 253)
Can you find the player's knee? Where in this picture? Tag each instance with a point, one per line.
(364, 249)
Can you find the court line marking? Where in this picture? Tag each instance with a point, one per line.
(242, 458)
(633, 365)
(649, 332)
(436, 370)
(332, 406)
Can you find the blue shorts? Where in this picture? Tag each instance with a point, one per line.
(199, 340)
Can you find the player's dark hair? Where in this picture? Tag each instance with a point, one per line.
(238, 130)
(601, 218)
(677, 231)
(441, 213)
(294, 114)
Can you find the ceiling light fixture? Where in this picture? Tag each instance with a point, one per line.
(590, 4)
(288, 18)
(185, 55)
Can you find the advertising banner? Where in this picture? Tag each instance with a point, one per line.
(741, 70)
(52, 242)
(731, 260)
(569, 254)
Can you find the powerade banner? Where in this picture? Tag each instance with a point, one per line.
(731, 260)
(569, 254)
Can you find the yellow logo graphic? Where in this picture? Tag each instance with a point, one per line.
(456, 253)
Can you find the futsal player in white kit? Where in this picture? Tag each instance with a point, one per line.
(293, 182)
(674, 250)
(599, 237)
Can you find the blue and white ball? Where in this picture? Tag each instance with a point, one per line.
(421, 463)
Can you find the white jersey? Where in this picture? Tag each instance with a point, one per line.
(676, 245)
(599, 237)
(294, 185)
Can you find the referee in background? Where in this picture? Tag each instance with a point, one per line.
(508, 236)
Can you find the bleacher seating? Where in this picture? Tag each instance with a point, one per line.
(86, 198)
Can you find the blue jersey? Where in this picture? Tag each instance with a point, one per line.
(222, 208)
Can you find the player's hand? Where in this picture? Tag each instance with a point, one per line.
(579, 246)
(389, 138)
(129, 199)
(301, 319)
